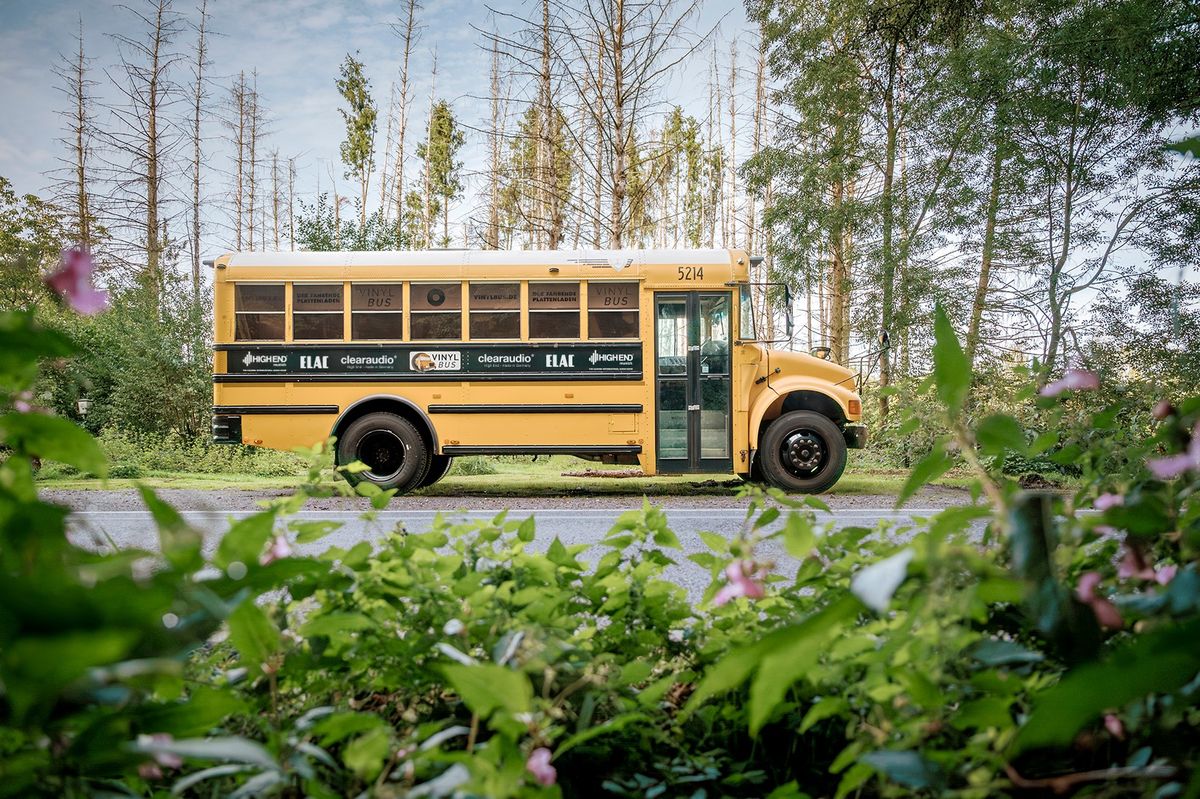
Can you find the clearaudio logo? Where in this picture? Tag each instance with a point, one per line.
(264, 358)
(435, 361)
(598, 357)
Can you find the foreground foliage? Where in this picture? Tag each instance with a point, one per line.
(1010, 644)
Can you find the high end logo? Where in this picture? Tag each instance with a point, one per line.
(435, 361)
(600, 358)
(269, 359)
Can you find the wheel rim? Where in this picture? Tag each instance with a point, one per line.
(383, 452)
(804, 452)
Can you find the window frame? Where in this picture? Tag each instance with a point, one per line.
(402, 311)
(283, 312)
(470, 311)
(411, 313)
(578, 310)
(293, 313)
(636, 308)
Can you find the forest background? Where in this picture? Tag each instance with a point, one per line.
(1011, 161)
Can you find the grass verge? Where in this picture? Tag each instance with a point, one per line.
(514, 477)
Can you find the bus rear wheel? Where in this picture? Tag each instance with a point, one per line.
(438, 466)
(393, 451)
(803, 452)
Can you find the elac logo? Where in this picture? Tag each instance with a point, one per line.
(314, 361)
(557, 361)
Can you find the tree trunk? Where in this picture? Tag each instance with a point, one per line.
(198, 96)
(622, 136)
(889, 257)
(989, 245)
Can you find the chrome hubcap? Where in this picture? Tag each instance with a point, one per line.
(804, 452)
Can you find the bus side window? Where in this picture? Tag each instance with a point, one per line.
(377, 311)
(317, 311)
(612, 309)
(436, 311)
(495, 310)
(554, 310)
(258, 312)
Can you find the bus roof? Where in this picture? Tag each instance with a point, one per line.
(617, 259)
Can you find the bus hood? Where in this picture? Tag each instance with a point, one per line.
(801, 363)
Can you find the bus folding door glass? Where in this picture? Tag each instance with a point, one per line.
(495, 310)
(376, 311)
(714, 335)
(554, 310)
(317, 311)
(672, 419)
(714, 418)
(672, 338)
(258, 312)
(612, 309)
(436, 311)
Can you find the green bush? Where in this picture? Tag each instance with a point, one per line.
(472, 465)
(1050, 651)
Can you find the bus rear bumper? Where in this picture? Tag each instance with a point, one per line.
(855, 435)
(227, 429)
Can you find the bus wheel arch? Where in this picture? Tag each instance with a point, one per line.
(768, 409)
(789, 404)
(395, 406)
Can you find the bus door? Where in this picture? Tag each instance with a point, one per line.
(692, 383)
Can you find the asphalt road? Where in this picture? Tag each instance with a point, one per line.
(135, 528)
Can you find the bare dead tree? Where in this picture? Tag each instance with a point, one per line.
(199, 100)
(409, 33)
(276, 196)
(253, 135)
(491, 237)
(291, 215)
(141, 141)
(238, 106)
(72, 181)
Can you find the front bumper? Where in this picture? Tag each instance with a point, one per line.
(855, 435)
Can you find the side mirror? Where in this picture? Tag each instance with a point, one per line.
(787, 308)
(821, 352)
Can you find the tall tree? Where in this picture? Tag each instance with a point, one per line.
(443, 170)
(358, 149)
(199, 100)
(408, 32)
(73, 182)
(142, 139)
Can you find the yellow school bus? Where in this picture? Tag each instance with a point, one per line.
(410, 359)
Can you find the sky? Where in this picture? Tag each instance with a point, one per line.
(297, 47)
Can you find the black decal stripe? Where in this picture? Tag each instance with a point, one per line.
(417, 346)
(275, 409)
(438, 377)
(633, 449)
(535, 408)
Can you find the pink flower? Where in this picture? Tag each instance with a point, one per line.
(538, 764)
(1165, 574)
(24, 402)
(73, 281)
(280, 548)
(1162, 409)
(1114, 726)
(740, 583)
(1106, 612)
(1106, 501)
(1172, 466)
(150, 771)
(1133, 565)
(1072, 380)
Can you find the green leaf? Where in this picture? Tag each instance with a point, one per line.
(717, 543)
(928, 469)
(1159, 661)
(951, 369)
(333, 623)
(366, 754)
(308, 532)
(663, 537)
(527, 530)
(766, 517)
(998, 434)
(558, 555)
(253, 635)
(798, 535)
(180, 544)
(615, 724)
(907, 768)
(487, 688)
(53, 438)
(1189, 146)
(246, 539)
(826, 707)
(794, 653)
(996, 652)
(980, 714)
(233, 749)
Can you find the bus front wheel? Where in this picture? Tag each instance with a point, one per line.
(803, 452)
(393, 451)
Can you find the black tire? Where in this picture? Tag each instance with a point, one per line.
(391, 446)
(438, 466)
(802, 452)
